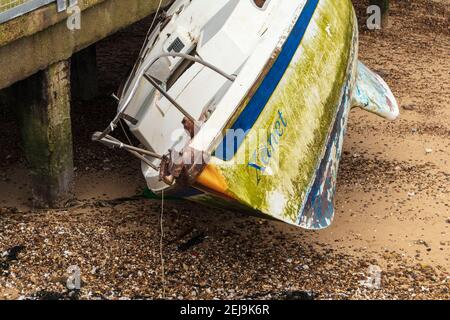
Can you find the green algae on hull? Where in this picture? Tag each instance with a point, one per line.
(308, 97)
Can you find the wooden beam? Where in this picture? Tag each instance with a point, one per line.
(42, 105)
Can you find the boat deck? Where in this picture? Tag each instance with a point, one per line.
(39, 41)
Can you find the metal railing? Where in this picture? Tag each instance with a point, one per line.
(11, 9)
(123, 107)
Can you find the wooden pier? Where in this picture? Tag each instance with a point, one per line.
(36, 51)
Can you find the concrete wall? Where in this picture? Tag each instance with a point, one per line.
(36, 40)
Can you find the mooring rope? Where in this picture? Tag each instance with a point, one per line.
(154, 18)
(161, 219)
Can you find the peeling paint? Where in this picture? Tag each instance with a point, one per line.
(309, 96)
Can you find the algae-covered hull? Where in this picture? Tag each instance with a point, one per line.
(244, 104)
(287, 164)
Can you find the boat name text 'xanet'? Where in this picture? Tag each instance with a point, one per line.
(264, 153)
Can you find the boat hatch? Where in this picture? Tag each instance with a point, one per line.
(185, 73)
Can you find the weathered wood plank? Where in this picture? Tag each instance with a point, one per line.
(53, 42)
(42, 106)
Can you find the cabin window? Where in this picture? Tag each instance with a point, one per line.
(260, 3)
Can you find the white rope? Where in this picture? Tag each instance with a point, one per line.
(128, 100)
(154, 18)
(149, 31)
(161, 219)
(145, 43)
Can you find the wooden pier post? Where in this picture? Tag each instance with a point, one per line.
(84, 74)
(42, 104)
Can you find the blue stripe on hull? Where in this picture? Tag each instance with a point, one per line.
(230, 144)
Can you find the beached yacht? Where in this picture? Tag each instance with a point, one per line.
(244, 103)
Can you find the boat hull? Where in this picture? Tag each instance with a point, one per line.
(279, 154)
(286, 164)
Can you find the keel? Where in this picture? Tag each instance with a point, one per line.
(373, 94)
